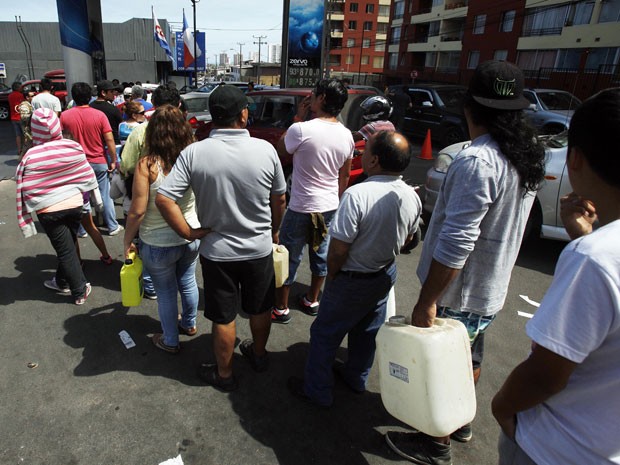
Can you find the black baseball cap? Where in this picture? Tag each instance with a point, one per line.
(499, 85)
(226, 102)
(107, 85)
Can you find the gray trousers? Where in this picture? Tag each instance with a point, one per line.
(510, 453)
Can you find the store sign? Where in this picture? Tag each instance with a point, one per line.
(305, 36)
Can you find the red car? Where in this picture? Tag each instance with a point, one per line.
(59, 89)
(272, 112)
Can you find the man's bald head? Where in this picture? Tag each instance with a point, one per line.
(392, 150)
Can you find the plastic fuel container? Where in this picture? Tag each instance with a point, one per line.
(280, 264)
(131, 281)
(426, 375)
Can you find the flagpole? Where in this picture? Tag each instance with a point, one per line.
(154, 60)
(195, 57)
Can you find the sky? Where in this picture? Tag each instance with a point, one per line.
(226, 22)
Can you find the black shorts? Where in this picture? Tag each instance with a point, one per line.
(225, 282)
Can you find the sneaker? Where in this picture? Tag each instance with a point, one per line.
(151, 295)
(419, 448)
(463, 434)
(158, 341)
(295, 386)
(259, 363)
(53, 285)
(208, 373)
(82, 234)
(309, 308)
(280, 316)
(81, 300)
(338, 369)
(107, 260)
(116, 231)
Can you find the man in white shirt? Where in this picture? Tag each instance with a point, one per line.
(45, 99)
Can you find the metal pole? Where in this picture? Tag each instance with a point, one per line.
(260, 41)
(359, 69)
(195, 38)
(240, 57)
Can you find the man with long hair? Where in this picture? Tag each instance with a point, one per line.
(476, 230)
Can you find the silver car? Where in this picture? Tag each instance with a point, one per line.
(550, 110)
(197, 106)
(544, 218)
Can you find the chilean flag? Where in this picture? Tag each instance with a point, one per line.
(188, 45)
(159, 36)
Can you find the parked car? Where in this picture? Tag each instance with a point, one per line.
(210, 86)
(59, 89)
(185, 89)
(438, 107)
(550, 110)
(272, 112)
(197, 106)
(544, 220)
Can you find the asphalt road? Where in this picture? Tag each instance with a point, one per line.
(91, 401)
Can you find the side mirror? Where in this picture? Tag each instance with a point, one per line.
(533, 107)
(427, 104)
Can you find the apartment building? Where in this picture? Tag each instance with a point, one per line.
(358, 35)
(569, 44)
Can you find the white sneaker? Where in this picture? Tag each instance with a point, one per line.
(53, 285)
(81, 300)
(116, 231)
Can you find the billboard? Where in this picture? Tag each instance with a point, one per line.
(201, 40)
(304, 45)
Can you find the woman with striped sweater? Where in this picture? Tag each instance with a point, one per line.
(51, 179)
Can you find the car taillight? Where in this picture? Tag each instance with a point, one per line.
(193, 122)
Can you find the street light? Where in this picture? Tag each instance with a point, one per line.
(195, 58)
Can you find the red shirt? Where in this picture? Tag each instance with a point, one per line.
(87, 127)
(15, 98)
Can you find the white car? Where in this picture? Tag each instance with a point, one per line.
(545, 216)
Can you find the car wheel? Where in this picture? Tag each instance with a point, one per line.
(552, 129)
(4, 113)
(452, 136)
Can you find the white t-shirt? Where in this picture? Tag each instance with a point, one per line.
(46, 100)
(579, 319)
(319, 149)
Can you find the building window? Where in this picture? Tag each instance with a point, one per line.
(350, 43)
(580, 13)
(349, 60)
(448, 62)
(530, 60)
(437, 3)
(610, 11)
(433, 28)
(366, 43)
(368, 25)
(430, 60)
(353, 7)
(393, 61)
(399, 9)
(382, 28)
(508, 20)
(365, 59)
(384, 10)
(473, 59)
(352, 25)
(544, 21)
(569, 58)
(603, 59)
(479, 21)
(395, 35)
(380, 46)
(377, 62)
(500, 55)
(370, 8)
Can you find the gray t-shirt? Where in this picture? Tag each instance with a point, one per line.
(233, 176)
(376, 217)
(46, 100)
(477, 226)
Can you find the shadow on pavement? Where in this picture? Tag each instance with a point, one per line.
(540, 254)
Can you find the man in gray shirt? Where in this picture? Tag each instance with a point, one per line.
(373, 221)
(476, 230)
(240, 199)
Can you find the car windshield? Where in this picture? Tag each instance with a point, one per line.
(558, 100)
(273, 110)
(452, 97)
(195, 105)
(209, 87)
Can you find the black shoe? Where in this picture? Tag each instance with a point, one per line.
(208, 373)
(309, 308)
(338, 369)
(296, 387)
(280, 316)
(259, 363)
(463, 434)
(151, 295)
(419, 448)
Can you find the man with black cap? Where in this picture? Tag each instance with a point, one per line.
(476, 230)
(106, 91)
(240, 199)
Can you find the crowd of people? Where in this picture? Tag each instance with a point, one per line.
(221, 201)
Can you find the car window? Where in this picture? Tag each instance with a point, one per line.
(558, 100)
(198, 104)
(35, 87)
(351, 114)
(530, 96)
(452, 97)
(273, 110)
(420, 96)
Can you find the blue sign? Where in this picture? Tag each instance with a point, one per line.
(305, 32)
(201, 40)
(2, 70)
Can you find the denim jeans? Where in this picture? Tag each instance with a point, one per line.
(147, 281)
(109, 214)
(173, 269)
(294, 236)
(353, 305)
(61, 228)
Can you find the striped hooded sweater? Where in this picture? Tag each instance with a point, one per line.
(53, 170)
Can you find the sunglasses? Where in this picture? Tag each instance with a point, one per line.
(140, 112)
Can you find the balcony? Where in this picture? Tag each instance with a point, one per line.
(548, 31)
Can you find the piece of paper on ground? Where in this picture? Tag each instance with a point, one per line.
(175, 461)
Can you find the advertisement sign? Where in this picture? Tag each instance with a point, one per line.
(2, 70)
(305, 36)
(201, 40)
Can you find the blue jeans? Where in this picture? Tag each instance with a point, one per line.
(61, 228)
(173, 269)
(353, 305)
(294, 236)
(109, 214)
(147, 281)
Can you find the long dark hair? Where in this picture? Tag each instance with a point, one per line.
(166, 135)
(516, 139)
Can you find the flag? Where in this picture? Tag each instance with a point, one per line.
(160, 37)
(188, 45)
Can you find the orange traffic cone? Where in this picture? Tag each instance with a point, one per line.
(427, 150)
